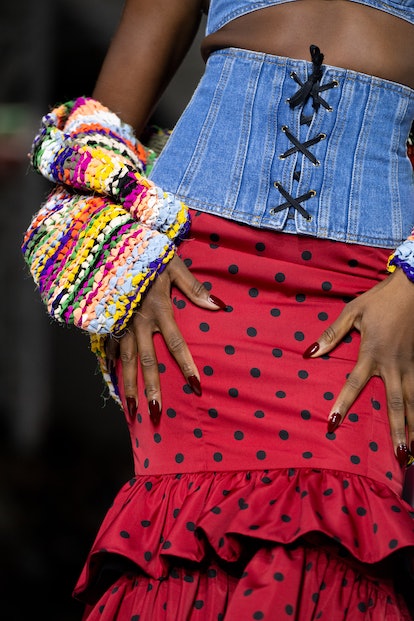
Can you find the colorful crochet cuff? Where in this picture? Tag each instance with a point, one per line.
(89, 149)
(91, 261)
(403, 257)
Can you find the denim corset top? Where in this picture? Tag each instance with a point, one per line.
(222, 12)
(295, 146)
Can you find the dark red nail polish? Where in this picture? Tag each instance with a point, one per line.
(154, 411)
(194, 382)
(312, 349)
(402, 454)
(333, 422)
(217, 302)
(132, 406)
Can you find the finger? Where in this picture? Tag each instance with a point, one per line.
(128, 354)
(111, 352)
(184, 280)
(332, 336)
(180, 351)
(353, 386)
(408, 387)
(149, 367)
(396, 414)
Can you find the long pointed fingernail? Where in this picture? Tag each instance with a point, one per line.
(402, 454)
(195, 385)
(154, 411)
(132, 406)
(333, 422)
(312, 349)
(215, 300)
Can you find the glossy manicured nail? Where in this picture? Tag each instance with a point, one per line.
(217, 302)
(402, 454)
(132, 406)
(195, 385)
(312, 349)
(154, 411)
(333, 422)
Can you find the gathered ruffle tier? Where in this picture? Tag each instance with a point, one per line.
(155, 519)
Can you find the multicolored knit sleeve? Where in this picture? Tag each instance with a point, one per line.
(105, 231)
(86, 147)
(91, 260)
(403, 256)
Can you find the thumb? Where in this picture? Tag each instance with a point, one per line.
(330, 337)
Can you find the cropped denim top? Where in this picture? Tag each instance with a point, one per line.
(222, 12)
(295, 146)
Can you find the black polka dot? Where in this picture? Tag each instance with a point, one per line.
(188, 262)
(362, 607)
(306, 255)
(233, 392)
(322, 316)
(289, 610)
(303, 374)
(229, 349)
(198, 433)
(396, 509)
(204, 327)
(146, 462)
(328, 492)
(218, 457)
(286, 518)
(275, 312)
(354, 418)
(243, 504)
(233, 269)
(251, 331)
(355, 459)
(212, 413)
(253, 292)
(148, 486)
(305, 414)
(388, 474)
(161, 367)
(328, 396)
(147, 556)
(261, 455)
(179, 458)
(373, 446)
(280, 394)
(277, 353)
(326, 286)
(375, 404)
(255, 372)
(247, 592)
(361, 511)
(190, 526)
(375, 528)
(278, 576)
(260, 246)
(393, 544)
(124, 534)
(171, 413)
(283, 434)
(307, 455)
(238, 435)
(208, 370)
(259, 414)
(299, 336)
(180, 304)
(353, 263)
(258, 615)
(280, 277)
(215, 237)
(166, 545)
(300, 297)
(157, 438)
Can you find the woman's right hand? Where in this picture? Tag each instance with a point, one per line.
(156, 314)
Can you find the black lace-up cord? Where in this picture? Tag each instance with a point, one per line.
(293, 202)
(301, 146)
(312, 85)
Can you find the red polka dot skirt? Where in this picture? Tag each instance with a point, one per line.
(243, 506)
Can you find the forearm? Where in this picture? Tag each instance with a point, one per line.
(151, 40)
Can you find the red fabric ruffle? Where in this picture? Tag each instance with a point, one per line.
(154, 518)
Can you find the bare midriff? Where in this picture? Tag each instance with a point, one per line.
(349, 34)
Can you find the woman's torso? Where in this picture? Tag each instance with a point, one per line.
(351, 35)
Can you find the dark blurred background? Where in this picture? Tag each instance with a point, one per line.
(64, 448)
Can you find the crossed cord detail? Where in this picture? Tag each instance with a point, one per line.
(310, 89)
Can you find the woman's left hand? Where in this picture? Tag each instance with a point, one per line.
(384, 316)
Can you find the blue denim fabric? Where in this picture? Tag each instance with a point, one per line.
(221, 12)
(224, 155)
